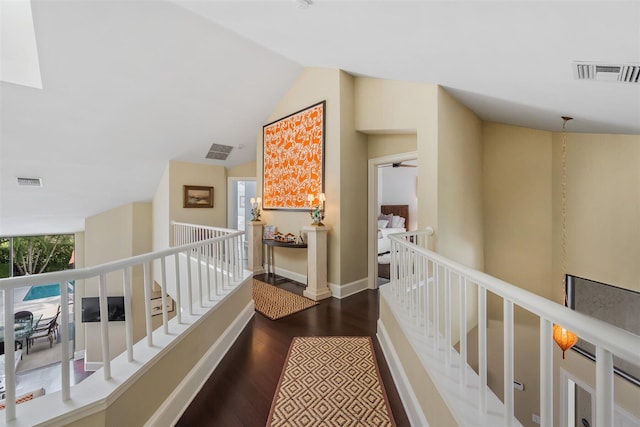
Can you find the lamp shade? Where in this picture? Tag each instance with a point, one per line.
(564, 338)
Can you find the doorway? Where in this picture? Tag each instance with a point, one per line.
(376, 198)
(241, 191)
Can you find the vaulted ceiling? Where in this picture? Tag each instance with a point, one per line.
(129, 85)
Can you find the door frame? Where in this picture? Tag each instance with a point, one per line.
(231, 181)
(372, 210)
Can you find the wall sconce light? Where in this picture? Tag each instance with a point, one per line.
(317, 210)
(255, 208)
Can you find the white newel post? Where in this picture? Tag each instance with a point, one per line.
(255, 247)
(317, 286)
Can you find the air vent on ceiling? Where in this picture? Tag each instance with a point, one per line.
(29, 182)
(624, 73)
(219, 152)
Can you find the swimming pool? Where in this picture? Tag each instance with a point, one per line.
(43, 291)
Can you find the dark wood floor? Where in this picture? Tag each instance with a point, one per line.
(240, 391)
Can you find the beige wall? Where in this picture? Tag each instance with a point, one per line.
(245, 170)
(603, 207)
(517, 206)
(603, 231)
(460, 232)
(518, 241)
(353, 184)
(312, 86)
(383, 145)
(393, 107)
(181, 174)
(522, 217)
(460, 189)
(119, 233)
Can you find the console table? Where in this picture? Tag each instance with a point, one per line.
(270, 244)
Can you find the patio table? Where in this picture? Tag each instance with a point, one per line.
(23, 330)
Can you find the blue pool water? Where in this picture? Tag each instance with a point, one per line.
(42, 291)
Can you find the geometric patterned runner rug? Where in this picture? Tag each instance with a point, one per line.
(330, 381)
(276, 303)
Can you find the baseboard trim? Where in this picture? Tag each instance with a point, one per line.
(337, 291)
(348, 289)
(177, 402)
(300, 278)
(92, 366)
(407, 396)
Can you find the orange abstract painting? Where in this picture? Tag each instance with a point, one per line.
(293, 159)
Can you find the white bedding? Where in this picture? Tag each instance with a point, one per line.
(384, 244)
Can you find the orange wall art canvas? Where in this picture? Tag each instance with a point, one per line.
(293, 159)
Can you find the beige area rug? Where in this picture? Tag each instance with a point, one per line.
(330, 381)
(276, 303)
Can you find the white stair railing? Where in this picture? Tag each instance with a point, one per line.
(421, 286)
(219, 247)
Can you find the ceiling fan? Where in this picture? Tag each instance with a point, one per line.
(398, 165)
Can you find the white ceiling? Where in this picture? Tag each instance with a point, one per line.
(128, 86)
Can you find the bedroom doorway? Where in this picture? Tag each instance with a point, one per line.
(392, 182)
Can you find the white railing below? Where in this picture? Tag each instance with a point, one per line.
(207, 266)
(420, 296)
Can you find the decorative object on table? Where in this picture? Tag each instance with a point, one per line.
(269, 232)
(255, 208)
(321, 374)
(317, 208)
(562, 336)
(287, 238)
(196, 196)
(293, 159)
(276, 303)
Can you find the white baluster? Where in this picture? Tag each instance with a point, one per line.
(546, 373)
(128, 316)
(482, 348)
(147, 303)
(163, 296)
(508, 361)
(189, 282)
(176, 258)
(462, 285)
(104, 326)
(64, 339)
(604, 387)
(9, 356)
(447, 318)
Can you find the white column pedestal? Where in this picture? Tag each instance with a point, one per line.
(317, 286)
(254, 238)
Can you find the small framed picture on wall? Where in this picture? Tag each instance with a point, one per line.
(196, 196)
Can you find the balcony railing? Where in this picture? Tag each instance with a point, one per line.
(205, 265)
(422, 289)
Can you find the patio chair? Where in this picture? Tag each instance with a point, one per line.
(47, 332)
(43, 324)
(23, 316)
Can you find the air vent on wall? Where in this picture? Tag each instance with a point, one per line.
(29, 182)
(219, 152)
(624, 73)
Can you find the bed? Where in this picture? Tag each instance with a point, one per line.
(392, 226)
